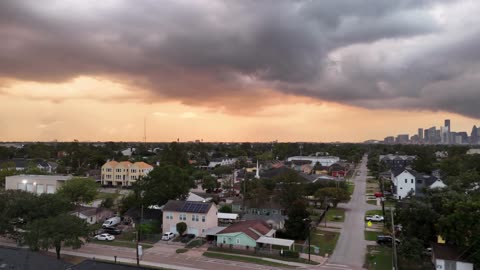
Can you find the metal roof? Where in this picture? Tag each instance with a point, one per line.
(275, 241)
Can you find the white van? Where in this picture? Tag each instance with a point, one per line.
(111, 222)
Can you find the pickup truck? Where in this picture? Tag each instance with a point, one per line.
(376, 218)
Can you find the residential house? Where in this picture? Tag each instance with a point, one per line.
(337, 170)
(36, 183)
(397, 161)
(199, 216)
(123, 173)
(473, 151)
(447, 257)
(320, 169)
(198, 197)
(128, 152)
(221, 162)
(244, 234)
(22, 164)
(252, 234)
(93, 215)
(441, 154)
(406, 181)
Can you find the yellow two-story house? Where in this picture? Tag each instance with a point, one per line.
(123, 173)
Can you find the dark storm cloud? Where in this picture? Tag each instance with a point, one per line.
(197, 51)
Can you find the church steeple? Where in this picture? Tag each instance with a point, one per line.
(257, 173)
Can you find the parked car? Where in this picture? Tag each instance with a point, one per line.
(167, 236)
(104, 237)
(375, 218)
(386, 240)
(111, 222)
(187, 237)
(112, 230)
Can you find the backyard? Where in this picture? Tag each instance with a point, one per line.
(336, 214)
(378, 258)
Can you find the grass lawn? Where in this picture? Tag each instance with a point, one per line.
(336, 214)
(104, 195)
(372, 236)
(374, 212)
(120, 244)
(325, 240)
(229, 257)
(372, 202)
(379, 258)
(350, 187)
(389, 203)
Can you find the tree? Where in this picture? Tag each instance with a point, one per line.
(174, 154)
(55, 232)
(79, 190)
(291, 188)
(333, 195)
(164, 183)
(107, 203)
(209, 183)
(225, 209)
(295, 225)
(222, 170)
(181, 227)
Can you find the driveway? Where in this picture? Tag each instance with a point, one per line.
(352, 246)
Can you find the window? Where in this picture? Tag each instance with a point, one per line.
(203, 218)
(40, 188)
(237, 241)
(194, 217)
(183, 216)
(412, 181)
(224, 240)
(169, 215)
(21, 186)
(406, 181)
(50, 189)
(30, 187)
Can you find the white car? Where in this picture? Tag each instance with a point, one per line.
(374, 218)
(104, 237)
(167, 236)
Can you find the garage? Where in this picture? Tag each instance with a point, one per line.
(173, 229)
(192, 231)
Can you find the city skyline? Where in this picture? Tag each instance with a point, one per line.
(325, 72)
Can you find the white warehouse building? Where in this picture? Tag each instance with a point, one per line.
(323, 160)
(36, 183)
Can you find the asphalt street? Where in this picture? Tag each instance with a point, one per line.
(352, 246)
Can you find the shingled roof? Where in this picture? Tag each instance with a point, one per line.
(253, 228)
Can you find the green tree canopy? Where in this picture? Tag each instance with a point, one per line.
(55, 232)
(79, 190)
(333, 195)
(296, 227)
(164, 183)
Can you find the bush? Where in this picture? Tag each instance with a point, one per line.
(291, 254)
(225, 209)
(181, 228)
(181, 250)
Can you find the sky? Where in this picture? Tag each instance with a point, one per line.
(298, 70)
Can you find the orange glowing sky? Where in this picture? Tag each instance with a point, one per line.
(91, 109)
(216, 70)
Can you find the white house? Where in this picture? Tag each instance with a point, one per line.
(404, 181)
(221, 162)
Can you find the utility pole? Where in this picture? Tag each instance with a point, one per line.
(395, 263)
(383, 200)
